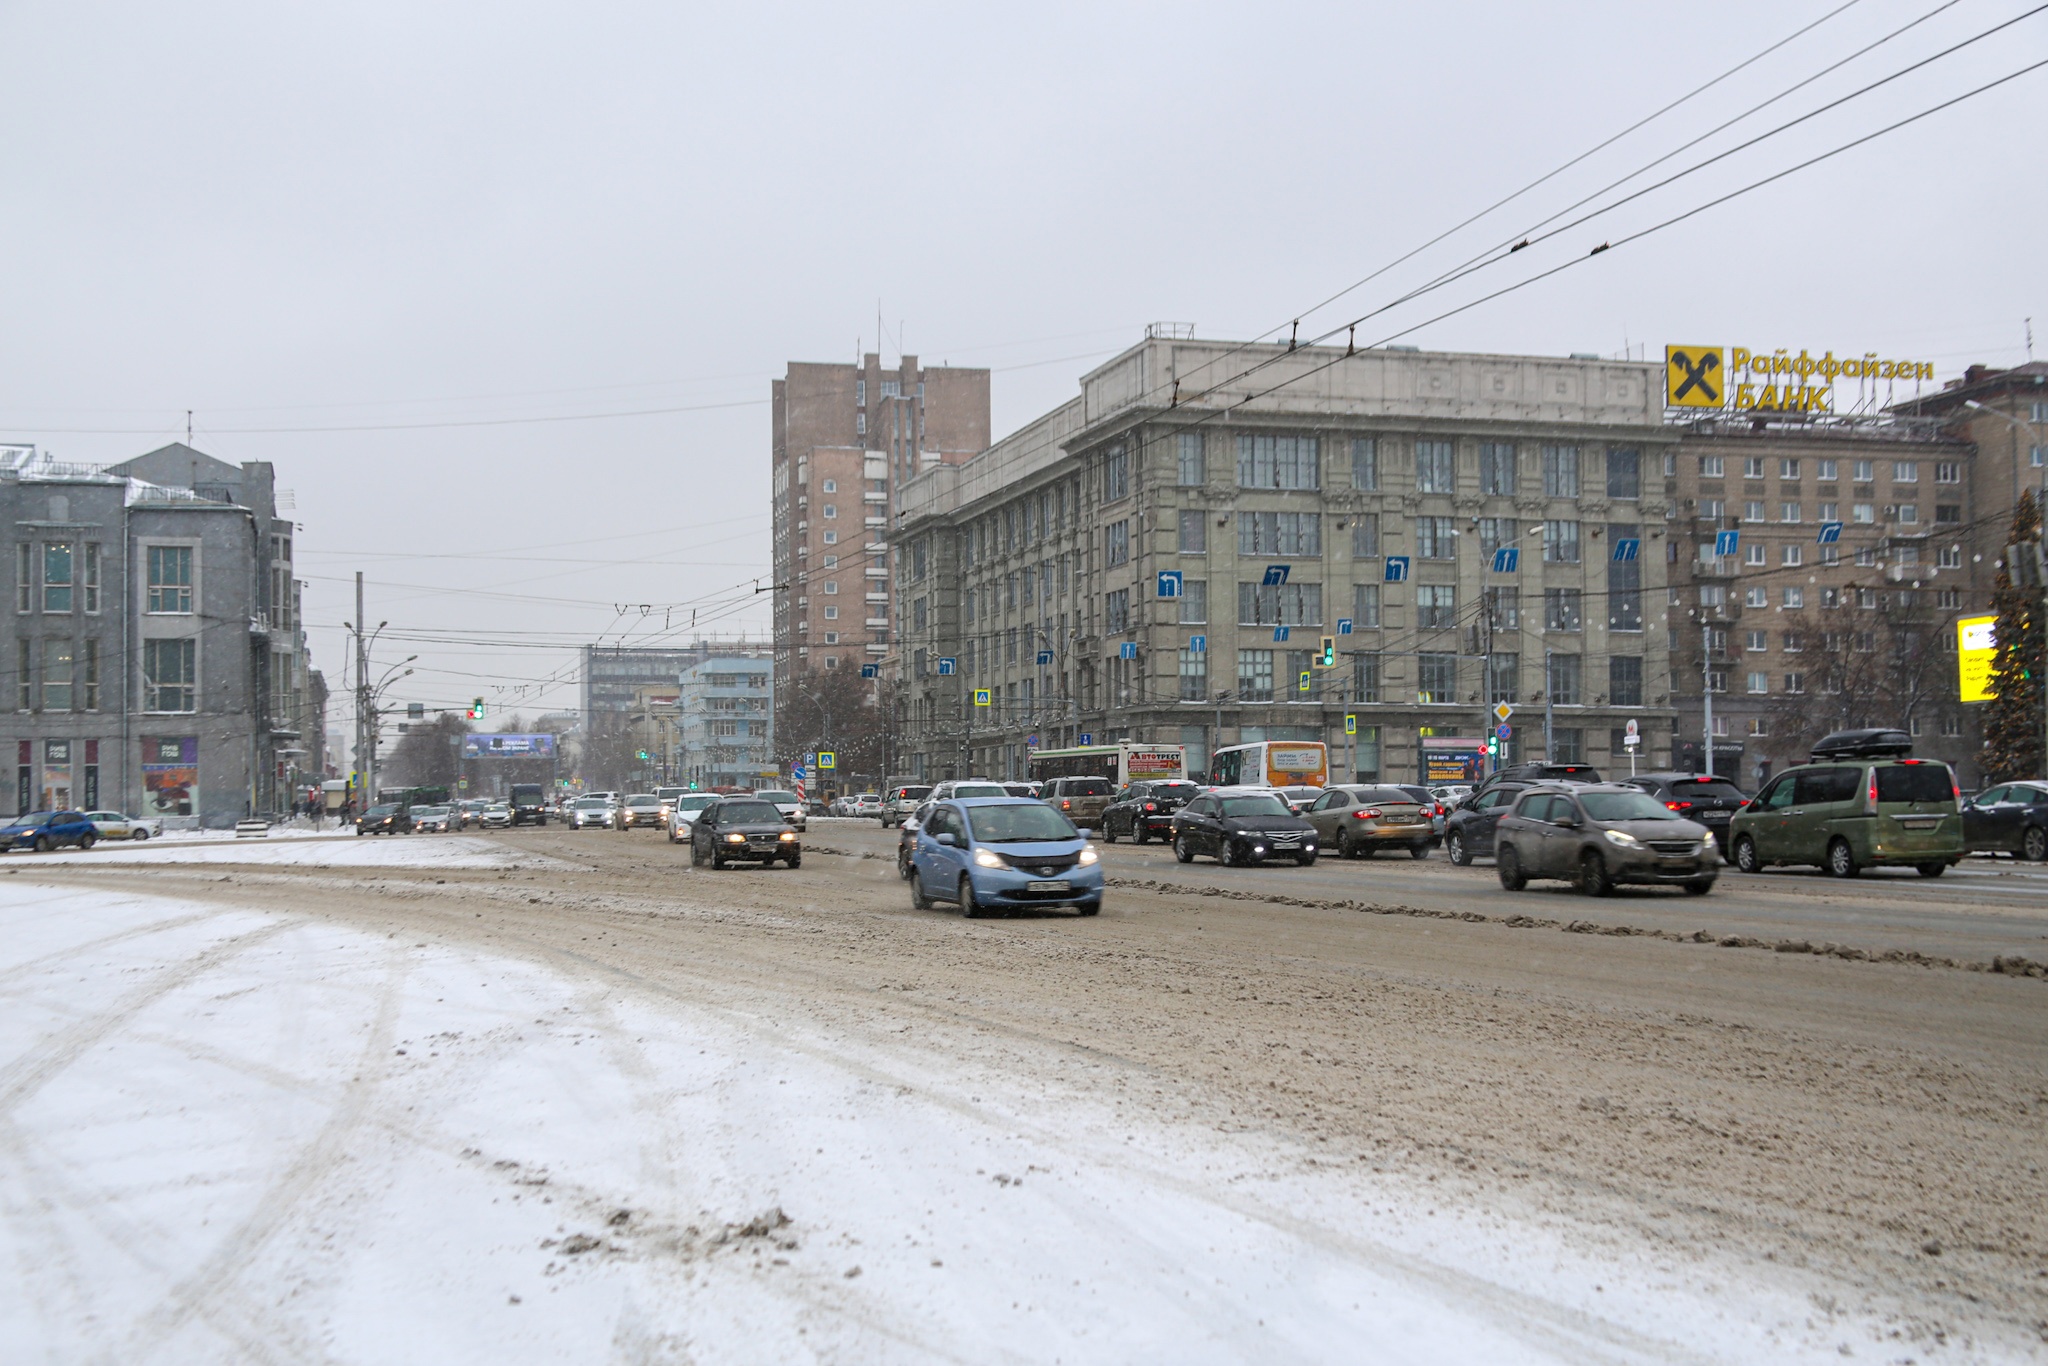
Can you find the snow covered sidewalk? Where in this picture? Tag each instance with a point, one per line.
(343, 850)
(235, 1135)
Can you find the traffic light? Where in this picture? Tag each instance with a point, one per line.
(1492, 747)
(476, 710)
(643, 755)
(1326, 658)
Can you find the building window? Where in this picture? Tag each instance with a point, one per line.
(1434, 472)
(170, 675)
(1503, 608)
(1949, 557)
(1831, 512)
(1753, 554)
(1825, 471)
(1436, 607)
(1365, 607)
(1905, 471)
(1116, 610)
(170, 579)
(1567, 680)
(1791, 556)
(1561, 542)
(1560, 471)
(1625, 680)
(831, 538)
(1756, 642)
(1365, 678)
(1710, 467)
(1795, 684)
(57, 572)
(832, 613)
(1194, 676)
(1624, 473)
(1278, 462)
(1863, 471)
(1561, 610)
(1756, 597)
(1789, 512)
(1280, 533)
(1194, 602)
(1713, 509)
(1753, 510)
(831, 637)
(1283, 604)
(1436, 677)
(57, 664)
(1495, 532)
(1365, 463)
(1948, 472)
(92, 675)
(1365, 537)
(1436, 538)
(1948, 514)
(831, 587)
(1116, 474)
(1503, 677)
(1497, 468)
(24, 577)
(92, 576)
(1194, 464)
(1255, 675)
(1116, 543)
(1568, 745)
(1863, 514)
(1793, 598)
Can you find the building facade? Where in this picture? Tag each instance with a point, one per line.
(725, 722)
(1160, 558)
(159, 663)
(846, 438)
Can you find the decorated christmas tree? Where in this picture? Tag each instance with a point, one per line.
(2014, 718)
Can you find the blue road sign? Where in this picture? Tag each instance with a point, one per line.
(1343, 626)
(1031, 741)
(1507, 559)
(1727, 542)
(947, 664)
(1279, 633)
(1044, 658)
(1830, 532)
(1127, 650)
(1502, 732)
(1627, 547)
(1087, 737)
(1397, 569)
(1198, 645)
(796, 773)
(1169, 583)
(1276, 574)
(870, 671)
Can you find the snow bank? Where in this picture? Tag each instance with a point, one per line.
(231, 1136)
(352, 851)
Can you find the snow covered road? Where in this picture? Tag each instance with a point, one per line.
(228, 1134)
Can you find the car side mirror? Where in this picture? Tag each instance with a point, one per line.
(946, 840)
(1087, 834)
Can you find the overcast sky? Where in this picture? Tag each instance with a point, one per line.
(371, 219)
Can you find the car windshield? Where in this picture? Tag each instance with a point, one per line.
(588, 804)
(980, 790)
(644, 799)
(374, 811)
(1625, 806)
(785, 797)
(694, 803)
(1024, 823)
(497, 806)
(739, 813)
(1254, 806)
(34, 818)
(912, 794)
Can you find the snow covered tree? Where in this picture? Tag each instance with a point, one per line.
(2014, 717)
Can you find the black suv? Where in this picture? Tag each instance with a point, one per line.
(1712, 802)
(1468, 831)
(1144, 810)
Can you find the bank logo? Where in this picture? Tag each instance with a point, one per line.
(1693, 377)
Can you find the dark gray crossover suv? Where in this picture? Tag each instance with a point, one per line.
(1600, 835)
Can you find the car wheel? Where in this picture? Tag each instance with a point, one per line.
(1090, 907)
(1935, 869)
(42, 844)
(1699, 886)
(1141, 833)
(795, 860)
(1183, 852)
(1594, 879)
(1455, 847)
(1841, 859)
(1231, 855)
(1418, 851)
(969, 907)
(2034, 844)
(1306, 857)
(139, 835)
(918, 899)
(1108, 833)
(1509, 865)
(89, 839)
(1745, 856)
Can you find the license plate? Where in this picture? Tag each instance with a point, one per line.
(1053, 886)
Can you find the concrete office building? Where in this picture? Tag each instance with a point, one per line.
(725, 722)
(158, 661)
(617, 678)
(845, 440)
(1323, 488)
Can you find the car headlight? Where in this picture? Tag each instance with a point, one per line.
(1708, 845)
(789, 834)
(987, 858)
(735, 839)
(1088, 855)
(1622, 838)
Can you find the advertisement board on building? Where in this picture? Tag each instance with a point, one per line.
(170, 775)
(1166, 761)
(1976, 651)
(1452, 759)
(1775, 381)
(540, 746)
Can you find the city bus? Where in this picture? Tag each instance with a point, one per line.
(1122, 764)
(1273, 763)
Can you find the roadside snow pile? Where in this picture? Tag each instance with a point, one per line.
(240, 1136)
(367, 851)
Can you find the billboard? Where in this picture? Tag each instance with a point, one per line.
(1976, 649)
(508, 746)
(170, 775)
(1452, 759)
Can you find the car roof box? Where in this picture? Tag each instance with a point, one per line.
(1878, 743)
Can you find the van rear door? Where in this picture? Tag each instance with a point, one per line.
(1917, 811)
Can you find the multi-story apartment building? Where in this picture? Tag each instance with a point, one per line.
(614, 675)
(1855, 550)
(1470, 529)
(725, 712)
(158, 660)
(846, 438)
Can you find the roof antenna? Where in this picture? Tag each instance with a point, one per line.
(188, 424)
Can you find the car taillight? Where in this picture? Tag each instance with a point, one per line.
(1678, 806)
(1150, 807)
(1066, 805)
(1371, 813)
(1873, 789)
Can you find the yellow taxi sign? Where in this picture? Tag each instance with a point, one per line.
(1976, 650)
(1693, 377)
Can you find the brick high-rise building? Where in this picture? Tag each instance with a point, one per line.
(846, 437)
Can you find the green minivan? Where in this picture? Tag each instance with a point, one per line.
(1859, 804)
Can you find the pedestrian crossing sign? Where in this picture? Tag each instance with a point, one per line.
(981, 697)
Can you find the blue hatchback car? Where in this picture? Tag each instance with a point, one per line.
(1003, 853)
(43, 831)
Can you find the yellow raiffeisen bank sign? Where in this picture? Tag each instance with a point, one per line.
(1774, 381)
(1976, 649)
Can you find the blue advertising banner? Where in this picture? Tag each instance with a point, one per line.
(508, 746)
